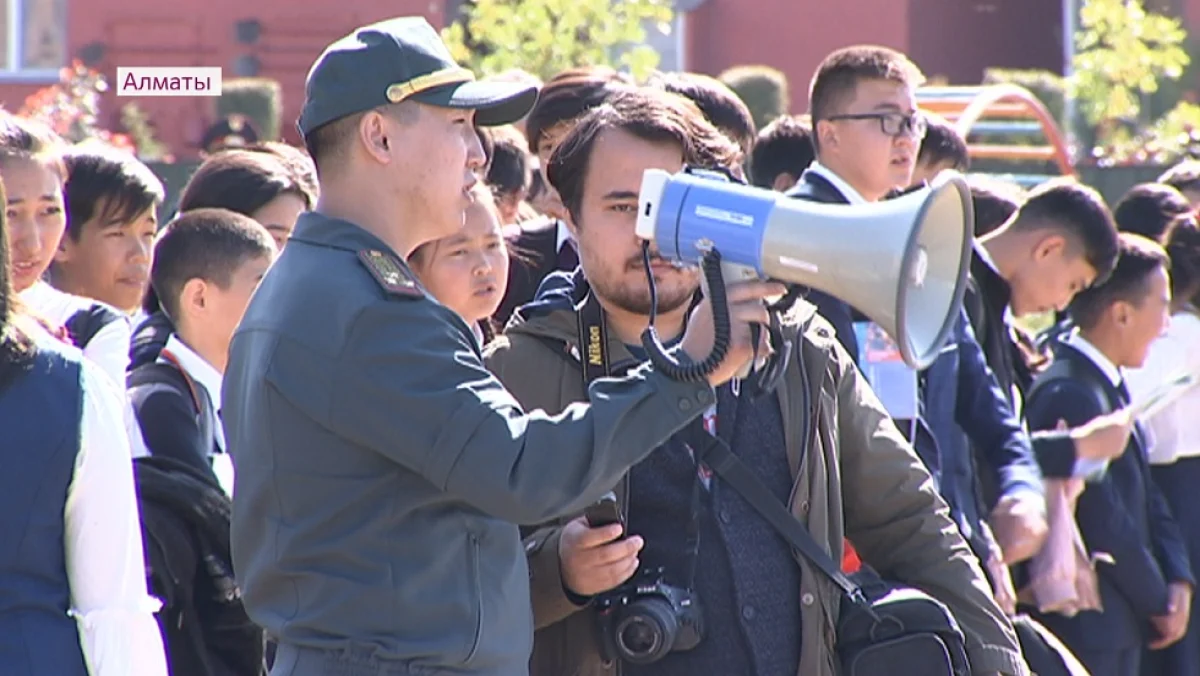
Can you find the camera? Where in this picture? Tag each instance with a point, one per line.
(645, 618)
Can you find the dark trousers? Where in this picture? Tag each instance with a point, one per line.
(1178, 482)
(1112, 662)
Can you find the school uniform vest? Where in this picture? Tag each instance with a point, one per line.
(40, 421)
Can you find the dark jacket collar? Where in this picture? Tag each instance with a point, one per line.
(816, 188)
(334, 233)
(1082, 366)
(997, 294)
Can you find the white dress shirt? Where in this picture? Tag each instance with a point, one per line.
(1174, 429)
(209, 378)
(852, 196)
(562, 235)
(137, 318)
(1115, 375)
(108, 349)
(104, 553)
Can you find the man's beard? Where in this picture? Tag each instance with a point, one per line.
(636, 299)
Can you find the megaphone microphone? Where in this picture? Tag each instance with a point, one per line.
(902, 262)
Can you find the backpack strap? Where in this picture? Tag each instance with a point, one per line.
(85, 324)
(1068, 369)
(170, 373)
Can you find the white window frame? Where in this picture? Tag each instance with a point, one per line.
(14, 70)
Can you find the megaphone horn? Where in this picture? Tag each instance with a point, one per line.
(902, 262)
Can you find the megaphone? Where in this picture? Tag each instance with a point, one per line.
(902, 262)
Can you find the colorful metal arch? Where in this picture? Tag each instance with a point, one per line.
(965, 107)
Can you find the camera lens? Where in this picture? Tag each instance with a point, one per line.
(646, 631)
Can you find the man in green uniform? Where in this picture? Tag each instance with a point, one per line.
(380, 468)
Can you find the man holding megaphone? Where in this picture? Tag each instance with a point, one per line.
(686, 575)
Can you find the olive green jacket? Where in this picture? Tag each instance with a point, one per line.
(858, 479)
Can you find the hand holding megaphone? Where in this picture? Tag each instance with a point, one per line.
(902, 262)
(746, 307)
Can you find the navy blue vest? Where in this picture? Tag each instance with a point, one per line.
(40, 429)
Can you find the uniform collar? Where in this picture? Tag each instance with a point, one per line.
(321, 230)
(196, 368)
(1087, 349)
(852, 196)
(996, 291)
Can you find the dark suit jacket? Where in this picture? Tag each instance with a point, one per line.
(175, 415)
(534, 255)
(148, 340)
(1123, 515)
(963, 406)
(987, 301)
(960, 401)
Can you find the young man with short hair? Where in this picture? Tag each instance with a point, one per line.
(766, 610)
(781, 153)
(1060, 241)
(942, 148)
(1184, 177)
(1147, 209)
(1146, 589)
(720, 104)
(867, 129)
(208, 262)
(112, 203)
(544, 246)
(994, 202)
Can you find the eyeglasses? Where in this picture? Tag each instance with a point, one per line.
(892, 124)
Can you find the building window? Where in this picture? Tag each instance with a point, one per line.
(33, 38)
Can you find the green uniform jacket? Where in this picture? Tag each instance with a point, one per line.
(381, 469)
(859, 479)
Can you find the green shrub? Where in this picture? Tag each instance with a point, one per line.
(1049, 88)
(259, 99)
(763, 89)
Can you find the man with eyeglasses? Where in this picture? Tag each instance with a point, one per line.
(867, 133)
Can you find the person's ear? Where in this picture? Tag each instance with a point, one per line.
(65, 249)
(1122, 313)
(827, 134)
(373, 134)
(1050, 246)
(193, 298)
(784, 182)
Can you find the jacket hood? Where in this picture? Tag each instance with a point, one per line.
(551, 313)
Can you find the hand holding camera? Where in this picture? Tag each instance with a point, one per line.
(594, 560)
(641, 617)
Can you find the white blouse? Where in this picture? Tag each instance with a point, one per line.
(108, 349)
(104, 553)
(1173, 428)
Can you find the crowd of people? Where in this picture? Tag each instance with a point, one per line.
(352, 408)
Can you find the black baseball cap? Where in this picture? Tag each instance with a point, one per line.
(397, 60)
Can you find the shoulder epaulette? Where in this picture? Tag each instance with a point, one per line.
(391, 274)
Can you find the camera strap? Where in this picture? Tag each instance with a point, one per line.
(593, 340)
(721, 460)
(594, 362)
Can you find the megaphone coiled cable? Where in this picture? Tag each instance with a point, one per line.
(710, 266)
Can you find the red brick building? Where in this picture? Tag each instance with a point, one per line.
(955, 39)
(111, 33)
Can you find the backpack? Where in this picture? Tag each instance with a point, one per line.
(85, 324)
(148, 339)
(185, 526)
